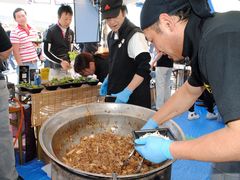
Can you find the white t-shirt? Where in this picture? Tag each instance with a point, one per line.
(137, 44)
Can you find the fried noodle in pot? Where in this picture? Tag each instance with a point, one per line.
(104, 153)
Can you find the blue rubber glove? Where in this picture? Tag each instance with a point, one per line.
(154, 149)
(104, 87)
(123, 96)
(150, 124)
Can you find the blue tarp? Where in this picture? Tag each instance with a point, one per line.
(195, 170)
(32, 171)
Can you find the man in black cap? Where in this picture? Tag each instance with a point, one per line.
(129, 70)
(187, 29)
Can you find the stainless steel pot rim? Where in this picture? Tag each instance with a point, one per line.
(85, 173)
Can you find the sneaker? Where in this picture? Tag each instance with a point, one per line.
(212, 115)
(193, 115)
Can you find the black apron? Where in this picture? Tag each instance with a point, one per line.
(122, 68)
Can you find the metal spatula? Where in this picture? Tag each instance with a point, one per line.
(139, 167)
(126, 161)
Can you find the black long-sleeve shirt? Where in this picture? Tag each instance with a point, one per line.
(56, 45)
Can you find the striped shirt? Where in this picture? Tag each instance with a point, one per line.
(24, 39)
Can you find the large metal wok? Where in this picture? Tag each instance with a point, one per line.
(65, 128)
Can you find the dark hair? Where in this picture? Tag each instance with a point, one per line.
(64, 9)
(82, 62)
(184, 13)
(124, 8)
(17, 10)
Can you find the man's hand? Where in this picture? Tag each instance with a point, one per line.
(154, 149)
(150, 124)
(104, 87)
(123, 96)
(65, 65)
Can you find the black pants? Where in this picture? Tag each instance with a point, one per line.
(208, 101)
(191, 109)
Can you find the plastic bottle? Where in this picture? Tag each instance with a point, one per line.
(37, 78)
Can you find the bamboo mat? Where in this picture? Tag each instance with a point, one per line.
(47, 103)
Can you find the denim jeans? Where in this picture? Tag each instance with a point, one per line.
(7, 159)
(11, 61)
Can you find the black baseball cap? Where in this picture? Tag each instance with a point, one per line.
(153, 8)
(110, 8)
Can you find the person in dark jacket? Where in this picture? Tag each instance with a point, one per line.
(129, 70)
(87, 64)
(57, 43)
(186, 29)
(7, 159)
